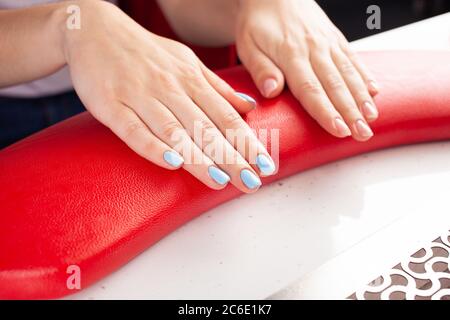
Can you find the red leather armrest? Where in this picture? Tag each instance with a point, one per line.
(74, 194)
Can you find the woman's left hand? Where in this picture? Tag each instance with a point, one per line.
(293, 41)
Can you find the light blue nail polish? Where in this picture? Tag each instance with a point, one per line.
(218, 175)
(250, 180)
(246, 98)
(173, 158)
(265, 165)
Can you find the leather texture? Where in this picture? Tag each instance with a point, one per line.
(74, 194)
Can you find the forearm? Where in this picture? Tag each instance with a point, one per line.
(31, 42)
(203, 22)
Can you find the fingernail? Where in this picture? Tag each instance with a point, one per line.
(265, 165)
(270, 85)
(369, 111)
(373, 87)
(246, 98)
(173, 158)
(342, 129)
(218, 175)
(363, 129)
(250, 180)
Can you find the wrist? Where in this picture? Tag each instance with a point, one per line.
(73, 20)
(63, 23)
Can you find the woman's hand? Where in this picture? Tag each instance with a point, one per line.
(293, 41)
(154, 94)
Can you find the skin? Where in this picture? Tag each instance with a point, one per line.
(291, 42)
(149, 90)
(299, 45)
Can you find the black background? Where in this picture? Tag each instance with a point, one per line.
(350, 15)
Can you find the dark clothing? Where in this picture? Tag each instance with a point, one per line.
(20, 117)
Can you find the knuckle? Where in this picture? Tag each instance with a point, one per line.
(188, 52)
(114, 90)
(311, 86)
(193, 79)
(179, 47)
(209, 131)
(167, 81)
(120, 92)
(232, 119)
(350, 53)
(318, 43)
(206, 125)
(211, 138)
(132, 127)
(191, 72)
(290, 48)
(149, 147)
(171, 128)
(347, 68)
(335, 82)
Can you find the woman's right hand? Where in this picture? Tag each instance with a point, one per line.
(154, 94)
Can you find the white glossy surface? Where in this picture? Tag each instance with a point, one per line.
(255, 245)
(430, 34)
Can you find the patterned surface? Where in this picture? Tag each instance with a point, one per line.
(423, 276)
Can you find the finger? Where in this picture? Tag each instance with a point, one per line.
(167, 128)
(355, 84)
(132, 130)
(185, 119)
(235, 129)
(242, 102)
(340, 96)
(267, 76)
(369, 80)
(305, 86)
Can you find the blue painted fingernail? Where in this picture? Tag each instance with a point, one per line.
(246, 98)
(218, 175)
(250, 180)
(265, 165)
(173, 158)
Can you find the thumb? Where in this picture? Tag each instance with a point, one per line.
(243, 103)
(267, 76)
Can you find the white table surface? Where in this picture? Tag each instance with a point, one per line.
(331, 228)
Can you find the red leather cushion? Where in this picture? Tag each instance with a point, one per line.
(74, 194)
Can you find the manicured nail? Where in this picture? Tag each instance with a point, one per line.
(218, 175)
(342, 129)
(363, 129)
(246, 98)
(265, 165)
(373, 87)
(369, 111)
(250, 180)
(270, 85)
(173, 158)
